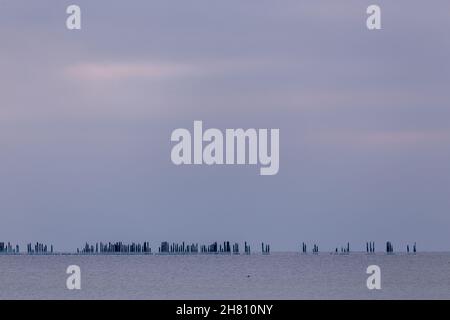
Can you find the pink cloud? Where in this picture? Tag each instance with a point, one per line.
(382, 138)
(118, 71)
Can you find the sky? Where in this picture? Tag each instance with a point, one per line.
(364, 116)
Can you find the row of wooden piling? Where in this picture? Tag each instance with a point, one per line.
(315, 248)
(183, 248)
(8, 248)
(167, 248)
(39, 248)
(36, 248)
(370, 248)
(115, 248)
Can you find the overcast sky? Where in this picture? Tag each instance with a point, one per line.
(364, 118)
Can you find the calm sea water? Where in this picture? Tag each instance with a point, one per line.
(277, 276)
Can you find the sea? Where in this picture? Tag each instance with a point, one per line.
(274, 276)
